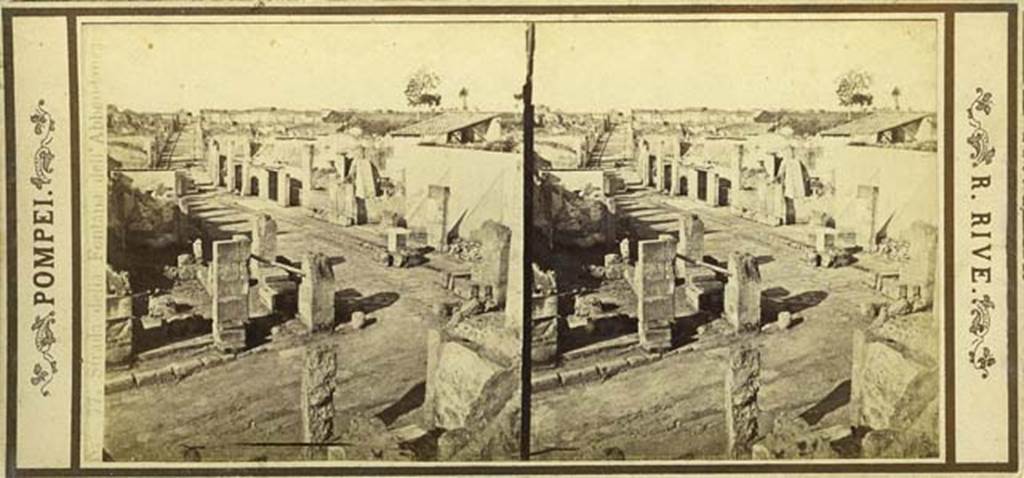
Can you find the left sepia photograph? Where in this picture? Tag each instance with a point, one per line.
(313, 240)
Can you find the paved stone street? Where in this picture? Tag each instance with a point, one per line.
(680, 413)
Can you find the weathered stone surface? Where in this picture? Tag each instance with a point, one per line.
(655, 277)
(121, 340)
(493, 267)
(898, 444)
(790, 439)
(264, 237)
(344, 205)
(690, 245)
(398, 238)
(742, 384)
(316, 293)
(437, 216)
(461, 378)
(743, 293)
(544, 343)
(230, 291)
(319, 372)
(894, 383)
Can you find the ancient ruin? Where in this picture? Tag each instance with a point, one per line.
(729, 280)
(328, 285)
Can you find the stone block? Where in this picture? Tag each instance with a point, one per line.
(550, 381)
(578, 376)
(742, 384)
(185, 368)
(398, 238)
(460, 381)
(742, 295)
(316, 293)
(655, 287)
(319, 372)
(119, 384)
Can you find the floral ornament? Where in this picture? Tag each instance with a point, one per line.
(44, 126)
(979, 138)
(980, 355)
(44, 340)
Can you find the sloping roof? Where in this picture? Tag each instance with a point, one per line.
(876, 123)
(444, 123)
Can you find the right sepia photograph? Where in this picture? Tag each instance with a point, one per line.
(735, 240)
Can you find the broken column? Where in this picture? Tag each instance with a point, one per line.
(655, 289)
(690, 245)
(545, 330)
(742, 383)
(865, 207)
(316, 293)
(246, 177)
(264, 237)
(437, 216)
(230, 292)
(743, 293)
(319, 372)
(919, 271)
(492, 269)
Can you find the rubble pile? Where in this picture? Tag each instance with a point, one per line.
(894, 249)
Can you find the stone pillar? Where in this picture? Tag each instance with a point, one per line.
(213, 162)
(197, 250)
(865, 207)
(230, 290)
(920, 270)
(492, 269)
(690, 245)
(319, 372)
(264, 237)
(283, 186)
(121, 331)
(307, 168)
(626, 251)
(737, 171)
(743, 293)
(643, 161)
(656, 293)
(775, 203)
(713, 188)
(264, 184)
(545, 330)
(659, 170)
(246, 177)
(437, 216)
(316, 293)
(675, 167)
(742, 383)
(691, 182)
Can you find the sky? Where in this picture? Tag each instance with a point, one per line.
(732, 65)
(337, 66)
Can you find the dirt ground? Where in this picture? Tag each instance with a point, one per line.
(254, 399)
(674, 407)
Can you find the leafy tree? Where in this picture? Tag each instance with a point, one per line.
(854, 89)
(421, 90)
